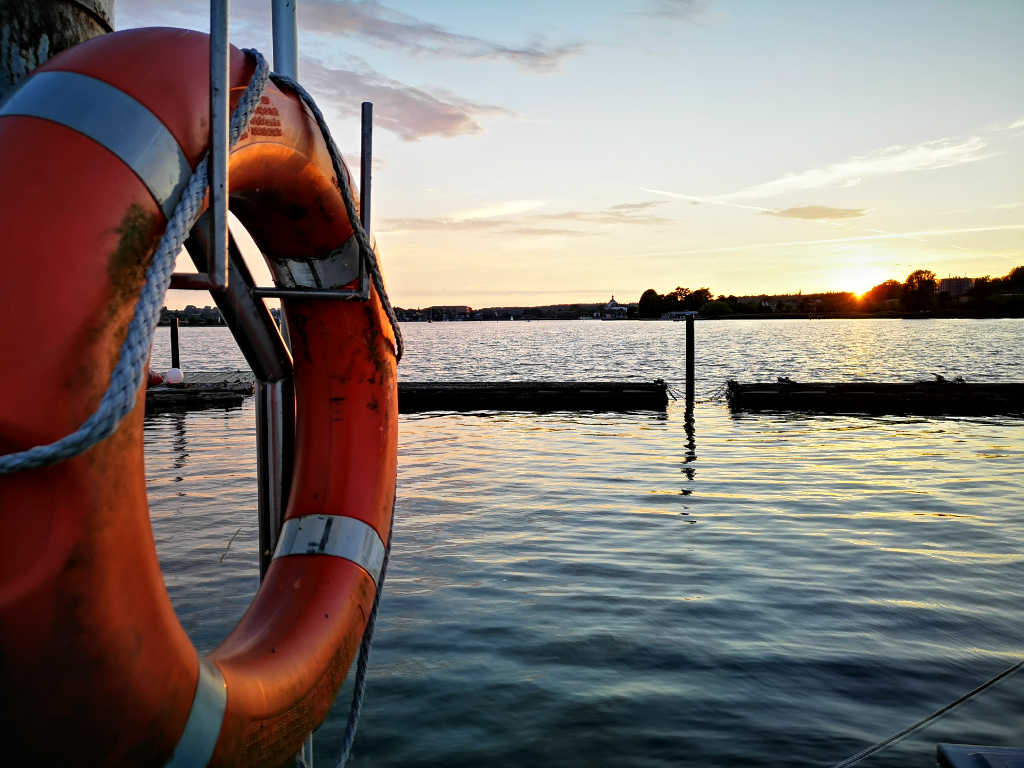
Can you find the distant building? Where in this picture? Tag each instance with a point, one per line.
(450, 312)
(956, 286)
(614, 311)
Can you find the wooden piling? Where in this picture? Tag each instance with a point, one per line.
(175, 357)
(690, 359)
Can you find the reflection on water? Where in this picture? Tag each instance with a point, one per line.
(179, 442)
(690, 455)
(550, 601)
(749, 350)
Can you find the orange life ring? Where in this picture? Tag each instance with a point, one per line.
(94, 666)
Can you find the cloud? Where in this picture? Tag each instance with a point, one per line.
(195, 13)
(819, 212)
(384, 26)
(685, 10)
(505, 218)
(1009, 206)
(1015, 125)
(704, 200)
(613, 215)
(854, 239)
(450, 225)
(411, 113)
(547, 232)
(367, 19)
(931, 155)
(496, 226)
(508, 208)
(638, 206)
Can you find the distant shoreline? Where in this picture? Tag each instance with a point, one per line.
(187, 323)
(757, 316)
(859, 316)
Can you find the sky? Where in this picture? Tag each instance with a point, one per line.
(548, 152)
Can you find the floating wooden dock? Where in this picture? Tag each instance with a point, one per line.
(202, 389)
(919, 397)
(228, 389)
(417, 396)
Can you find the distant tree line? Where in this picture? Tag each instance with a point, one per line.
(923, 292)
(654, 304)
(547, 312)
(192, 315)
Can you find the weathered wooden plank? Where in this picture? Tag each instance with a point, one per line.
(919, 397)
(204, 389)
(416, 396)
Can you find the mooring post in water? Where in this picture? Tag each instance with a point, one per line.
(689, 360)
(175, 357)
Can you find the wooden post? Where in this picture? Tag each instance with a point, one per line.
(33, 32)
(175, 359)
(689, 360)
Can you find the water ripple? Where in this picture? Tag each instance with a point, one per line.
(594, 589)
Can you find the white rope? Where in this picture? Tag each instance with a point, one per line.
(119, 398)
(866, 753)
(365, 249)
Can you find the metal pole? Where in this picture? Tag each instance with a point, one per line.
(286, 61)
(366, 166)
(175, 358)
(273, 438)
(689, 360)
(286, 38)
(253, 328)
(219, 91)
(278, 407)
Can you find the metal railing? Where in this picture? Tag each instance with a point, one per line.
(222, 271)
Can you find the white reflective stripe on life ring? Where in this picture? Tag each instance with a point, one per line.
(202, 729)
(335, 535)
(113, 119)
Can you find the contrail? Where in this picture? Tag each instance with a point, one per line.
(708, 200)
(855, 239)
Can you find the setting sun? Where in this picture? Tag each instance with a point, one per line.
(860, 279)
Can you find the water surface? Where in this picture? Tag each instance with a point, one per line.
(638, 589)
